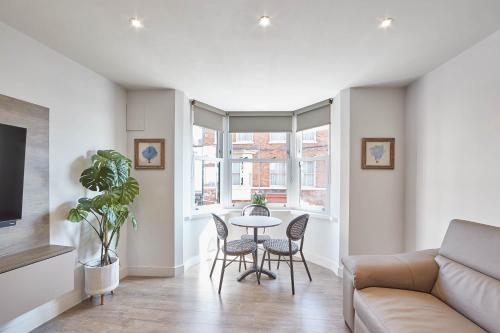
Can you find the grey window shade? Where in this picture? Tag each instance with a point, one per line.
(207, 116)
(314, 116)
(261, 122)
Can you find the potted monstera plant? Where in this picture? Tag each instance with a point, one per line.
(106, 211)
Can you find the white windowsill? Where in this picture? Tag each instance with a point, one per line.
(226, 211)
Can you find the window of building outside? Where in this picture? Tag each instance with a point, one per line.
(313, 156)
(258, 166)
(206, 167)
(277, 137)
(243, 137)
(309, 136)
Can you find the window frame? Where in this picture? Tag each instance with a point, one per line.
(219, 160)
(326, 209)
(231, 160)
(292, 162)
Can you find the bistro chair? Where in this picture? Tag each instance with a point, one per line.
(234, 248)
(288, 247)
(255, 210)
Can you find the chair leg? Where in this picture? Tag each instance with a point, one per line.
(262, 265)
(213, 265)
(305, 264)
(291, 274)
(239, 266)
(279, 260)
(254, 257)
(222, 273)
(245, 263)
(269, 258)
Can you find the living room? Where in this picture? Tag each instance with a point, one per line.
(157, 157)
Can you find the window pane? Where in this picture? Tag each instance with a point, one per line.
(258, 177)
(313, 183)
(259, 148)
(204, 142)
(206, 182)
(315, 142)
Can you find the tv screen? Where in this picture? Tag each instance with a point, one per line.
(12, 153)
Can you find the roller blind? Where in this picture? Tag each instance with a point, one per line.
(207, 116)
(243, 122)
(314, 116)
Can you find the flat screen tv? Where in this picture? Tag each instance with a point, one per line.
(12, 156)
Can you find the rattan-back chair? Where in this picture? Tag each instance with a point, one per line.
(288, 247)
(236, 248)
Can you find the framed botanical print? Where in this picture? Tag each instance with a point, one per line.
(149, 154)
(377, 153)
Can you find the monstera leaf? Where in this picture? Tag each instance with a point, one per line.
(97, 178)
(116, 162)
(126, 193)
(76, 215)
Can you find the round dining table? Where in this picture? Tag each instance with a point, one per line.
(255, 222)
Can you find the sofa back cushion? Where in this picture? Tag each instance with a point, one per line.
(473, 245)
(473, 294)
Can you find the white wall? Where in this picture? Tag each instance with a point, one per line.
(453, 145)
(155, 248)
(151, 246)
(87, 112)
(376, 196)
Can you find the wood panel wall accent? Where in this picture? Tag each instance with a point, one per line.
(33, 229)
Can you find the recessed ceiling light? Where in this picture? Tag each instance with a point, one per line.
(265, 21)
(386, 22)
(135, 22)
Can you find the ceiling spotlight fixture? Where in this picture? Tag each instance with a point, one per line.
(386, 22)
(135, 22)
(265, 21)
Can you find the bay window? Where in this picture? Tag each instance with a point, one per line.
(284, 155)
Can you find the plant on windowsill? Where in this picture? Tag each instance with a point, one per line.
(106, 212)
(259, 199)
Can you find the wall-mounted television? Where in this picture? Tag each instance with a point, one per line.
(12, 156)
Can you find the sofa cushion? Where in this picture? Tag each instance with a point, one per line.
(405, 311)
(474, 245)
(473, 294)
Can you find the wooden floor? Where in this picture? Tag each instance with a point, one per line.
(191, 304)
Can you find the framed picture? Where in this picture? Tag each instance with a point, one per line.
(377, 153)
(149, 154)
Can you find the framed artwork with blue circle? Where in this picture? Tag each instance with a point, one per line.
(377, 153)
(149, 154)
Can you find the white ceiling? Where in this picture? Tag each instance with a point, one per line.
(215, 52)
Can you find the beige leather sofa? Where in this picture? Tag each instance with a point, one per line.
(453, 289)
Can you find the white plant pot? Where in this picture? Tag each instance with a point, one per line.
(100, 280)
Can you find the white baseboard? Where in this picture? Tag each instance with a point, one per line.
(123, 272)
(193, 261)
(40, 315)
(148, 271)
(323, 262)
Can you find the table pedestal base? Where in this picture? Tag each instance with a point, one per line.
(253, 270)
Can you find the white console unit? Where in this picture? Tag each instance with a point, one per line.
(34, 277)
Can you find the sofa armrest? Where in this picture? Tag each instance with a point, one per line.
(412, 271)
